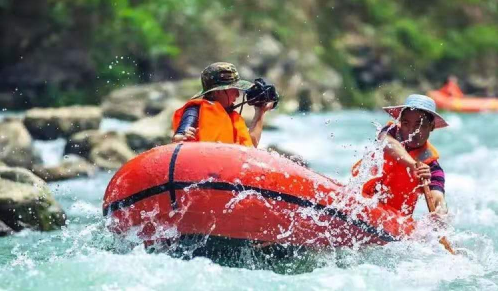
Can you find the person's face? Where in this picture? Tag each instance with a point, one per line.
(226, 97)
(415, 128)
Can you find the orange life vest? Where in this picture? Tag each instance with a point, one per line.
(451, 89)
(215, 124)
(402, 188)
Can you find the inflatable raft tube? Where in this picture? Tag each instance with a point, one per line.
(240, 193)
(464, 104)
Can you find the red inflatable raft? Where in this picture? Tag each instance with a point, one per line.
(235, 192)
(464, 103)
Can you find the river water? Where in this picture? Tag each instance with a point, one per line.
(84, 256)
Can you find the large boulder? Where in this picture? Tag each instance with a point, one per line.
(264, 54)
(52, 123)
(304, 82)
(81, 143)
(136, 102)
(128, 103)
(151, 131)
(111, 153)
(26, 202)
(16, 147)
(71, 167)
(107, 150)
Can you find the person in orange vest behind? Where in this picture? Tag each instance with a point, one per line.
(451, 88)
(409, 158)
(210, 115)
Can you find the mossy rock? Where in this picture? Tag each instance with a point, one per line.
(26, 202)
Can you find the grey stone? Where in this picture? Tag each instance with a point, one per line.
(151, 131)
(26, 201)
(52, 123)
(71, 167)
(16, 147)
(108, 150)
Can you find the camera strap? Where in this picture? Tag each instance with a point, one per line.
(241, 104)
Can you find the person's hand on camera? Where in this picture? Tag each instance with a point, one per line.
(189, 135)
(265, 107)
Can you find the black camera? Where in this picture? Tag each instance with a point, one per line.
(261, 93)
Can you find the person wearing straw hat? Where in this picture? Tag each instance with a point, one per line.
(409, 158)
(209, 115)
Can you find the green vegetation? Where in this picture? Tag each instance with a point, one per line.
(132, 41)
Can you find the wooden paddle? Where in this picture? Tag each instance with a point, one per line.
(432, 207)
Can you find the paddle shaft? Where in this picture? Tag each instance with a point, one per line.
(432, 208)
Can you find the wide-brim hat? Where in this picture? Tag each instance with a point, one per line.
(420, 102)
(221, 76)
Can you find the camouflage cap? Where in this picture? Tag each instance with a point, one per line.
(221, 76)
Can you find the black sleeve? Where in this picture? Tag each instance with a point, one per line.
(189, 119)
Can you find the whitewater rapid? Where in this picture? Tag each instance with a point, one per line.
(84, 256)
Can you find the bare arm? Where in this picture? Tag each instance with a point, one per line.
(439, 201)
(396, 150)
(256, 126)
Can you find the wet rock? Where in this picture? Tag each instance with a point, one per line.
(127, 103)
(72, 167)
(156, 101)
(305, 83)
(81, 143)
(151, 131)
(265, 53)
(154, 108)
(5, 229)
(479, 85)
(107, 150)
(52, 123)
(26, 202)
(136, 102)
(16, 147)
(174, 95)
(111, 153)
(291, 156)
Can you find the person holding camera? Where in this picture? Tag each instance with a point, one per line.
(210, 115)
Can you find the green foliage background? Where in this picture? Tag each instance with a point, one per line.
(129, 40)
